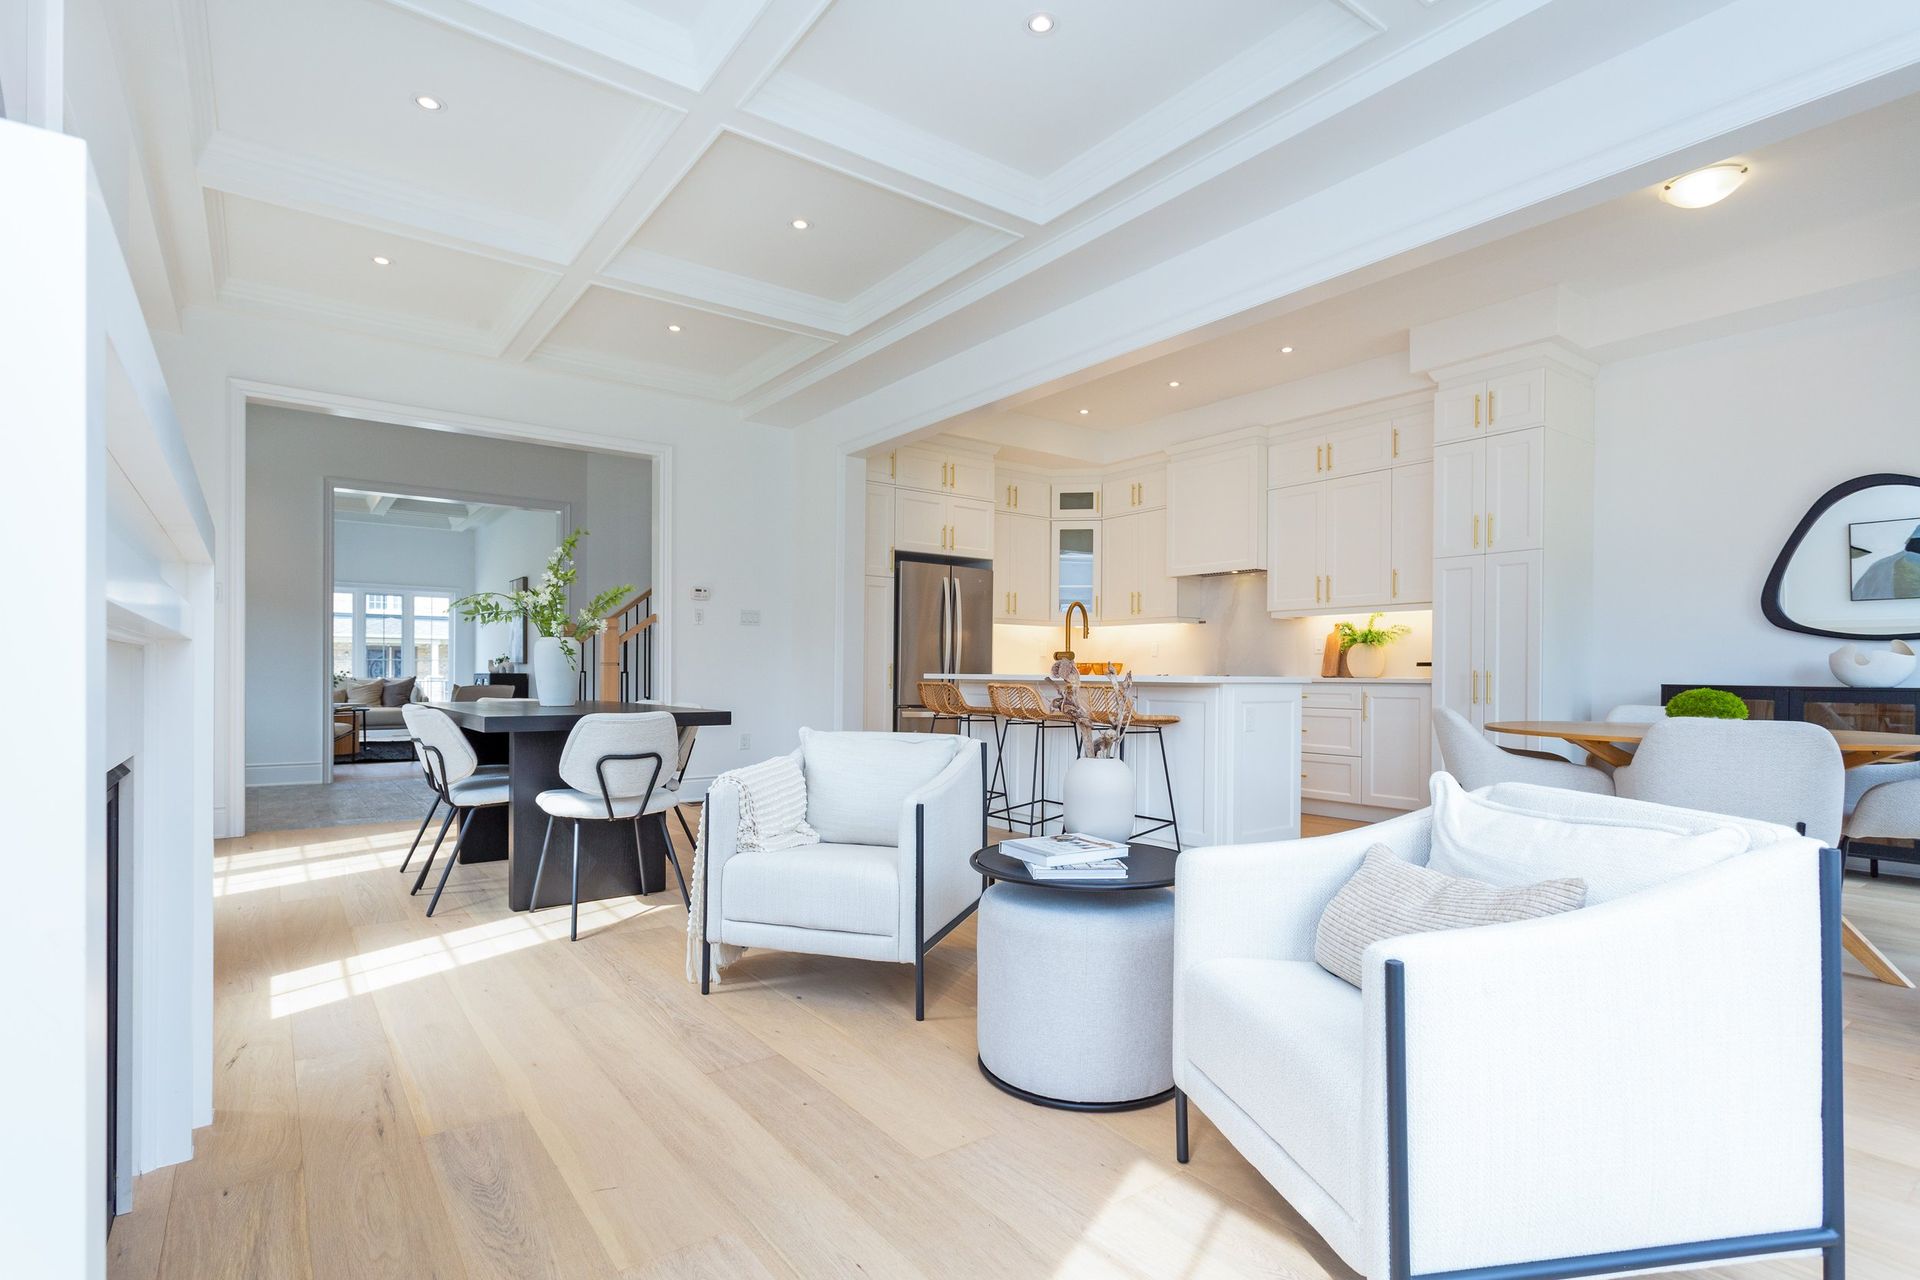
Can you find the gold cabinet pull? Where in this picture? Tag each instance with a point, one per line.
(1476, 528)
(1317, 451)
(1489, 529)
(1476, 688)
(1396, 584)
(1365, 705)
(1016, 602)
(1489, 406)
(1396, 442)
(1316, 588)
(1329, 588)
(1476, 410)
(891, 474)
(1329, 455)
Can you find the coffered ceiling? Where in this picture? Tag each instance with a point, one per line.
(597, 171)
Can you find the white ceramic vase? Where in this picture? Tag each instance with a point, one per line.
(556, 678)
(1097, 798)
(1366, 661)
(1872, 668)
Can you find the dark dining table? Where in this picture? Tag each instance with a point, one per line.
(528, 738)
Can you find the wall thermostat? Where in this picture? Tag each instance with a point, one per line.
(703, 593)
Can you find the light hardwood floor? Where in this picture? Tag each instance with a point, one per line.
(474, 1096)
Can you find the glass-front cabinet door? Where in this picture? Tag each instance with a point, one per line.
(1076, 566)
(1076, 499)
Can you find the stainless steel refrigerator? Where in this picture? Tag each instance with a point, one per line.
(942, 622)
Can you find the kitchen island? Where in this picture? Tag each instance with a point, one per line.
(1234, 757)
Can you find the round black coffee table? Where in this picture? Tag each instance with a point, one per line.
(1076, 987)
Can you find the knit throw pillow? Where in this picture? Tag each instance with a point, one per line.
(1389, 897)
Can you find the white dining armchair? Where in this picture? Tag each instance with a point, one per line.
(1473, 758)
(899, 815)
(1783, 771)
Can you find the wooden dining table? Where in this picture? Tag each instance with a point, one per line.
(528, 738)
(1607, 740)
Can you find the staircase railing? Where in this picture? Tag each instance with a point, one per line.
(617, 664)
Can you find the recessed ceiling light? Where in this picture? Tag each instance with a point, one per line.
(381, 260)
(1173, 384)
(1703, 187)
(799, 224)
(1286, 351)
(1040, 23)
(1086, 411)
(428, 103)
(673, 328)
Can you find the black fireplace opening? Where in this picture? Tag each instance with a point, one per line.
(116, 779)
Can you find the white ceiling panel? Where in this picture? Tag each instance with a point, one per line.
(289, 260)
(328, 86)
(864, 248)
(962, 90)
(616, 334)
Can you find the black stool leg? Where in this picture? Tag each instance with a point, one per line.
(540, 867)
(452, 858)
(424, 824)
(576, 880)
(1166, 772)
(428, 864)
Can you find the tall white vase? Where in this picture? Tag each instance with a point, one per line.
(1097, 798)
(556, 677)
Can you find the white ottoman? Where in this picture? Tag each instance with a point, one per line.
(1076, 995)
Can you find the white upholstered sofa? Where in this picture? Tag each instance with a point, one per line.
(1648, 1081)
(898, 815)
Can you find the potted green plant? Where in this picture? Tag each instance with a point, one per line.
(1709, 704)
(556, 658)
(1365, 648)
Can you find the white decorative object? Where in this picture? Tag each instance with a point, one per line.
(1366, 661)
(556, 673)
(1872, 668)
(1097, 798)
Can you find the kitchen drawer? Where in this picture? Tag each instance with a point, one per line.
(1334, 778)
(1327, 693)
(1333, 731)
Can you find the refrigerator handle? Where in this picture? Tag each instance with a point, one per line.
(959, 630)
(946, 625)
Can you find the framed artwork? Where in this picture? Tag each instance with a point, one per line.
(1884, 559)
(522, 641)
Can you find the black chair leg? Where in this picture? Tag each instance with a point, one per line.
(576, 880)
(693, 841)
(1180, 1125)
(428, 864)
(920, 986)
(540, 867)
(706, 964)
(452, 858)
(640, 856)
(424, 824)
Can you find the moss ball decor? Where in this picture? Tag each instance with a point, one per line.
(1710, 704)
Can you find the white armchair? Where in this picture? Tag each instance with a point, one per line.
(899, 816)
(1650, 1081)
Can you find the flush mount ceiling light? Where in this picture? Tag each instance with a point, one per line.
(1286, 351)
(381, 260)
(1086, 411)
(427, 102)
(673, 328)
(1040, 23)
(800, 224)
(1173, 384)
(1703, 187)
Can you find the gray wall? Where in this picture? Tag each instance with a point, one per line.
(290, 457)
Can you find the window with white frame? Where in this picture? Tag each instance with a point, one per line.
(395, 632)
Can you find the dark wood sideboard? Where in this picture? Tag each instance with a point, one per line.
(1836, 707)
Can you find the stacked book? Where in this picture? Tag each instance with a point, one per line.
(1070, 856)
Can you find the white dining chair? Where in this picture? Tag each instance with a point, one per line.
(1476, 761)
(613, 764)
(453, 770)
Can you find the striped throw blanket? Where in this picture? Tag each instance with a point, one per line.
(773, 815)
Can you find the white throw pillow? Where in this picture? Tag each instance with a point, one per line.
(1618, 848)
(858, 783)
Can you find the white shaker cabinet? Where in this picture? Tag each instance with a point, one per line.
(879, 539)
(1022, 577)
(1355, 539)
(1217, 510)
(1366, 743)
(1412, 572)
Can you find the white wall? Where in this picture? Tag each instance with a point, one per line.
(290, 457)
(1706, 457)
(514, 544)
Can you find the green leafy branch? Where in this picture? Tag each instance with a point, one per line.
(1378, 637)
(544, 605)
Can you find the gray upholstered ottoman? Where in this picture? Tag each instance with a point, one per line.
(1076, 995)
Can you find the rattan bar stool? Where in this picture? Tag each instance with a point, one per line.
(944, 699)
(1017, 705)
(1104, 704)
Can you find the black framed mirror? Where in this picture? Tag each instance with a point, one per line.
(1851, 568)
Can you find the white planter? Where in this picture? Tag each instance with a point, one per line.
(1872, 668)
(1097, 799)
(556, 676)
(1366, 661)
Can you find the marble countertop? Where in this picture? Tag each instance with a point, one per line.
(1138, 678)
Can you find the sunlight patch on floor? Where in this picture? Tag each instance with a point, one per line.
(323, 984)
(269, 869)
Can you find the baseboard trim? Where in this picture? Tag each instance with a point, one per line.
(287, 774)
